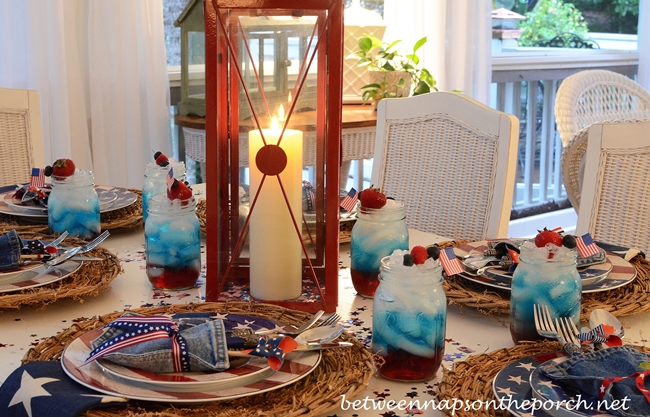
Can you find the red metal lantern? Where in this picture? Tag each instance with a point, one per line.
(273, 129)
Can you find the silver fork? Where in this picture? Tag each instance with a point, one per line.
(58, 240)
(569, 330)
(545, 328)
(330, 321)
(308, 324)
(94, 243)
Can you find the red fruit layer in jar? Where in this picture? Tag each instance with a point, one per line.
(166, 278)
(365, 283)
(531, 334)
(403, 366)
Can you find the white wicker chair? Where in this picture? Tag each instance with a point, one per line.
(596, 96)
(21, 138)
(451, 160)
(573, 162)
(615, 205)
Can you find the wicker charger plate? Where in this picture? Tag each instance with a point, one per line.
(471, 380)
(345, 228)
(629, 299)
(340, 372)
(88, 280)
(127, 217)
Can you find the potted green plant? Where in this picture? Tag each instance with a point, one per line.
(390, 73)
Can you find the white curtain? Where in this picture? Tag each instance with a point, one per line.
(100, 70)
(459, 38)
(644, 44)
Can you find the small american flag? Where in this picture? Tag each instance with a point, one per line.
(170, 178)
(450, 262)
(558, 230)
(587, 246)
(38, 178)
(350, 200)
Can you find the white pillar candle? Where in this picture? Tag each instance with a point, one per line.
(275, 246)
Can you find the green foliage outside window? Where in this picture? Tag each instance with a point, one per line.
(548, 19)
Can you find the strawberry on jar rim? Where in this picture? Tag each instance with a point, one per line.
(372, 198)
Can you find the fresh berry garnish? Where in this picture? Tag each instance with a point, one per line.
(50, 249)
(62, 168)
(408, 260)
(161, 159)
(419, 254)
(47, 171)
(179, 191)
(569, 241)
(546, 236)
(372, 198)
(433, 252)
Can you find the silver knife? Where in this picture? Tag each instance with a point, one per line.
(319, 346)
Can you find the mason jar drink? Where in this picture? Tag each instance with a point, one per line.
(172, 243)
(539, 279)
(155, 181)
(409, 319)
(73, 205)
(376, 234)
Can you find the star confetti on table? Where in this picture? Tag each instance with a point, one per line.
(411, 394)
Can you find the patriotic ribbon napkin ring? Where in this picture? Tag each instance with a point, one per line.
(274, 349)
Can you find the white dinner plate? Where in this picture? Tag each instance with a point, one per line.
(544, 389)
(242, 371)
(297, 365)
(38, 276)
(614, 273)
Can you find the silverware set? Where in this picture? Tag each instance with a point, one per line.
(71, 252)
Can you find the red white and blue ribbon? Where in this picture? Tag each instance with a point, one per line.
(350, 200)
(598, 334)
(639, 379)
(586, 245)
(38, 178)
(274, 349)
(450, 262)
(170, 178)
(140, 329)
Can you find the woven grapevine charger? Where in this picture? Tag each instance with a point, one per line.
(89, 280)
(627, 300)
(345, 371)
(345, 227)
(471, 380)
(126, 217)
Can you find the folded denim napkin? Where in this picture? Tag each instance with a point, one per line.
(42, 389)
(158, 344)
(10, 248)
(616, 373)
(622, 251)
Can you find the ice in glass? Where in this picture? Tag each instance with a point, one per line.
(539, 278)
(172, 243)
(73, 205)
(376, 234)
(409, 319)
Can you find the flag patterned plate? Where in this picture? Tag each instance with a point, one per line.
(511, 386)
(544, 389)
(614, 273)
(240, 368)
(110, 198)
(297, 365)
(10, 275)
(37, 277)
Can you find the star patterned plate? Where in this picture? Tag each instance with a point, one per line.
(296, 366)
(544, 389)
(511, 386)
(616, 270)
(240, 368)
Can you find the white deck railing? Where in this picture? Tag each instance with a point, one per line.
(525, 82)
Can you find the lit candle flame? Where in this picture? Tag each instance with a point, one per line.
(275, 125)
(281, 113)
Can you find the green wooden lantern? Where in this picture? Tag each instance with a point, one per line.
(192, 26)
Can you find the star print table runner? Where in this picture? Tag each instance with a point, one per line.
(42, 389)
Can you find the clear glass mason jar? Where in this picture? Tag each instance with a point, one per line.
(172, 243)
(73, 205)
(409, 318)
(376, 233)
(155, 181)
(553, 282)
